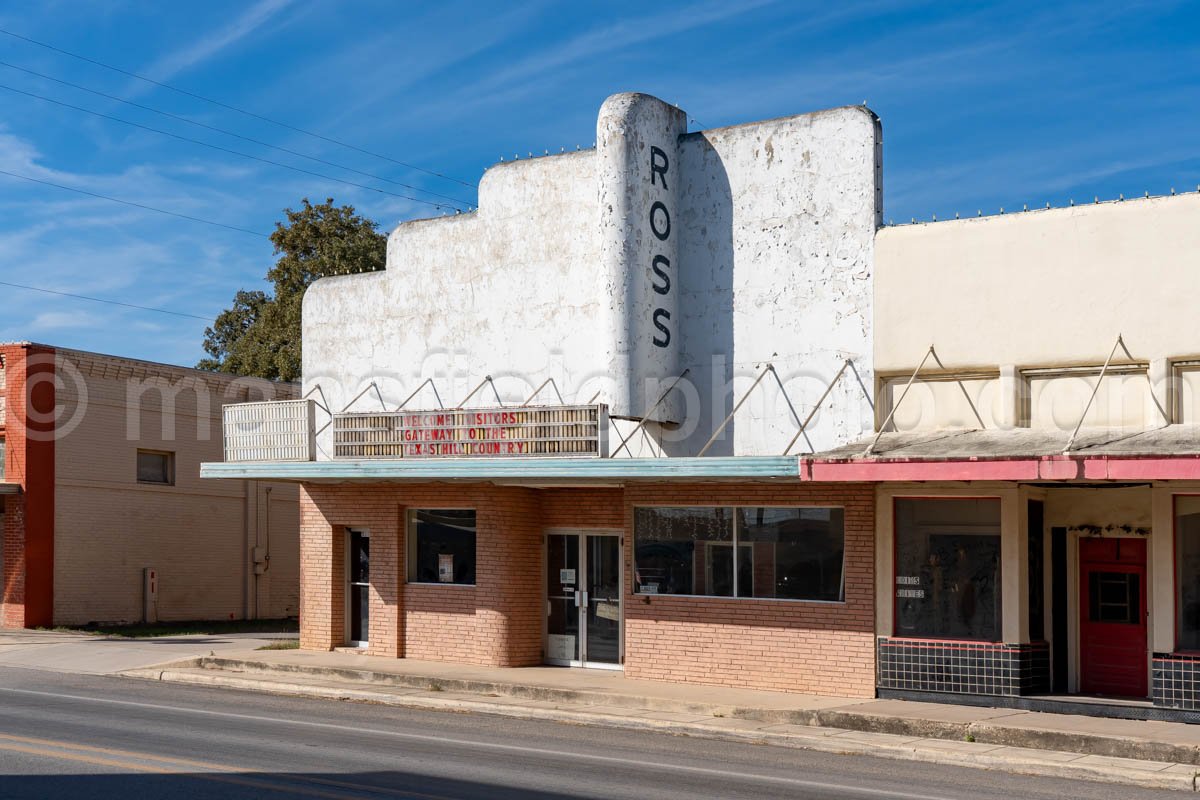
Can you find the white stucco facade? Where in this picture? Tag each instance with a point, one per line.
(612, 271)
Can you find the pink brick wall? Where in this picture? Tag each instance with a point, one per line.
(496, 622)
(818, 648)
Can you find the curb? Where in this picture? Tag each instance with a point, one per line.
(997, 733)
(823, 738)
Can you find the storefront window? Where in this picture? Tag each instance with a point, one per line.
(1187, 567)
(779, 553)
(674, 551)
(441, 546)
(797, 552)
(948, 568)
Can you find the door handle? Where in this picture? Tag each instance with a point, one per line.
(578, 594)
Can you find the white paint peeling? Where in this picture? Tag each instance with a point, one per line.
(770, 259)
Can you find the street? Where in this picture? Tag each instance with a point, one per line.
(72, 736)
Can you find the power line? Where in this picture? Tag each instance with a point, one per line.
(131, 203)
(404, 164)
(228, 133)
(224, 149)
(102, 300)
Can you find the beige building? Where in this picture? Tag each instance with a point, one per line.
(1037, 379)
(105, 516)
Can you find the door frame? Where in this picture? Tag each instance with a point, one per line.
(583, 533)
(348, 586)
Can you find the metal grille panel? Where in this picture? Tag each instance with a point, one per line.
(577, 431)
(280, 430)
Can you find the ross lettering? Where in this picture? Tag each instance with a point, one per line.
(658, 168)
(659, 315)
(658, 212)
(657, 265)
(660, 265)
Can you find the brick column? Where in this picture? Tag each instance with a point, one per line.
(386, 561)
(510, 599)
(322, 578)
(12, 582)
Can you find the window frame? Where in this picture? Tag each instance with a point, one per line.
(1175, 587)
(896, 560)
(410, 545)
(170, 457)
(734, 543)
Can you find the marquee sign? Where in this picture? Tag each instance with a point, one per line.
(578, 431)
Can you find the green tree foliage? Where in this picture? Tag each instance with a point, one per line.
(259, 335)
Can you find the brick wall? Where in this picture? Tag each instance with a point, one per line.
(496, 622)
(813, 648)
(12, 563)
(818, 648)
(29, 403)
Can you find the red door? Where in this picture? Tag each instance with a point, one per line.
(1112, 612)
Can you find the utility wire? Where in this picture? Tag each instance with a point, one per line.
(102, 300)
(225, 149)
(176, 89)
(130, 203)
(228, 133)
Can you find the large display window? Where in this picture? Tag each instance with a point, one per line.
(779, 553)
(948, 568)
(1187, 571)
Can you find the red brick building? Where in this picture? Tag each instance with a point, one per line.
(501, 618)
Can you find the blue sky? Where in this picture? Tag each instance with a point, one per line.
(984, 105)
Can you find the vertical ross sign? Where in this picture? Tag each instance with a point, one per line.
(660, 264)
(637, 140)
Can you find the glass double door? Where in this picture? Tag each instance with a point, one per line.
(583, 600)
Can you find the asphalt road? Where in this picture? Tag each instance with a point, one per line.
(78, 736)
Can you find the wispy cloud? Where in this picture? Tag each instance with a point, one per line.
(51, 321)
(208, 46)
(514, 81)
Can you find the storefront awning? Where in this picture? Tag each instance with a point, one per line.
(531, 471)
(1170, 452)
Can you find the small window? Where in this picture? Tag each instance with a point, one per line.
(441, 546)
(1114, 597)
(154, 466)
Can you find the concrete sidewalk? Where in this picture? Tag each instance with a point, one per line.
(73, 651)
(1135, 752)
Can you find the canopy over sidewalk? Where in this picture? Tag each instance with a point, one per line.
(1170, 452)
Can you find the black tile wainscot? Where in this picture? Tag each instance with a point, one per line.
(1177, 681)
(969, 668)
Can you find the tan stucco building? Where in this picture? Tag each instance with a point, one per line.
(105, 516)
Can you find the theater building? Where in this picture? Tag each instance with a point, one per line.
(679, 405)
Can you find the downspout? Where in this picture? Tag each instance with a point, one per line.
(248, 552)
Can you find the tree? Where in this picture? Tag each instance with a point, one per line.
(259, 335)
